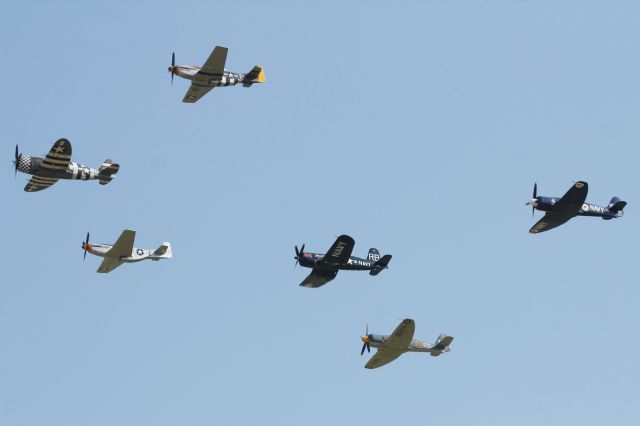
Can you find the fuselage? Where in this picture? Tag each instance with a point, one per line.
(227, 78)
(32, 166)
(416, 345)
(102, 250)
(311, 260)
(547, 204)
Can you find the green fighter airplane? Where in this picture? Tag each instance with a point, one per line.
(399, 342)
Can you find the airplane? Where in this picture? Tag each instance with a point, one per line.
(57, 165)
(212, 74)
(571, 204)
(326, 266)
(123, 251)
(401, 341)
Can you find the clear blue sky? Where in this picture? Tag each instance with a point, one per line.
(417, 127)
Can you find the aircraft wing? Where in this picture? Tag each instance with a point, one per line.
(214, 66)
(572, 201)
(108, 265)
(123, 246)
(195, 92)
(394, 346)
(549, 221)
(339, 253)
(38, 183)
(319, 277)
(58, 157)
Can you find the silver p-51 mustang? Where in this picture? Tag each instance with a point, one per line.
(123, 251)
(212, 74)
(401, 341)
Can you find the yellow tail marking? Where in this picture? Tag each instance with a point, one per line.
(261, 76)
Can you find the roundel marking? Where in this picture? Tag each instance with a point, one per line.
(585, 207)
(579, 185)
(407, 321)
(139, 252)
(419, 344)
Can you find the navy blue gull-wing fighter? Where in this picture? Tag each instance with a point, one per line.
(399, 342)
(560, 209)
(326, 266)
(57, 165)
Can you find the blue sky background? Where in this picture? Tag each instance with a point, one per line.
(418, 128)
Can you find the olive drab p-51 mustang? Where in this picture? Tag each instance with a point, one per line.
(57, 165)
(326, 266)
(571, 204)
(123, 251)
(212, 74)
(400, 341)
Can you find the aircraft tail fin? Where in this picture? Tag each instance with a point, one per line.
(615, 207)
(442, 345)
(164, 251)
(107, 172)
(256, 75)
(380, 264)
(374, 255)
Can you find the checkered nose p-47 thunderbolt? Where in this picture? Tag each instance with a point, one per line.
(571, 204)
(123, 251)
(58, 165)
(401, 341)
(212, 74)
(326, 266)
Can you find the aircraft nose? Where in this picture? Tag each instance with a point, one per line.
(533, 202)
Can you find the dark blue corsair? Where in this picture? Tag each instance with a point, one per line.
(326, 266)
(560, 209)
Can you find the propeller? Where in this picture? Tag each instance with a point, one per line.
(17, 160)
(299, 254)
(533, 199)
(86, 246)
(172, 68)
(365, 341)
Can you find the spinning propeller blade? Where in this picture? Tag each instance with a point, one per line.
(299, 254)
(535, 197)
(172, 68)
(85, 247)
(365, 341)
(16, 161)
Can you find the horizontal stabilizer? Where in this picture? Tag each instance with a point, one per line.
(256, 75)
(380, 264)
(616, 205)
(107, 172)
(163, 251)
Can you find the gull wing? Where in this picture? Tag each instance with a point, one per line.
(108, 265)
(338, 254)
(123, 246)
(319, 277)
(573, 199)
(38, 183)
(549, 221)
(564, 209)
(58, 157)
(394, 346)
